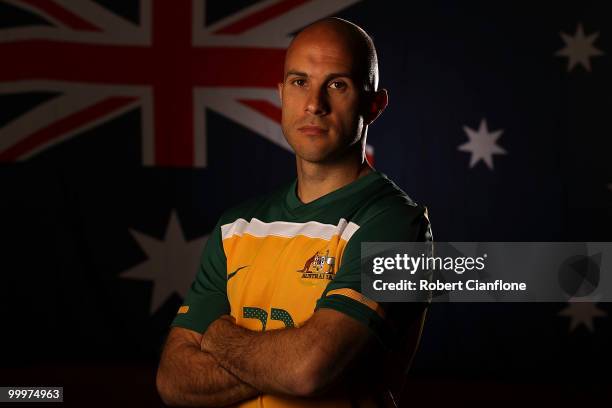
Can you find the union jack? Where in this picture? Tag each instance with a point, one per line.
(169, 64)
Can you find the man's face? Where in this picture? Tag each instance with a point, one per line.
(320, 97)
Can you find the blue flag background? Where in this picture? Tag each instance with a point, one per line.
(85, 225)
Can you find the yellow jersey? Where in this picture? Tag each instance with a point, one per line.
(273, 261)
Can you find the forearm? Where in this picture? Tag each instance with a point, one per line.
(293, 361)
(188, 376)
(268, 360)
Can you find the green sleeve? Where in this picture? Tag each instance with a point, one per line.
(405, 225)
(206, 299)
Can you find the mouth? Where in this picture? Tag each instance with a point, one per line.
(312, 130)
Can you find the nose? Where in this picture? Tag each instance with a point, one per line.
(317, 102)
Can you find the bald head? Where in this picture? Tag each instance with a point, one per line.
(329, 92)
(355, 42)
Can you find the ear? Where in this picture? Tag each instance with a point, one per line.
(280, 91)
(376, 104)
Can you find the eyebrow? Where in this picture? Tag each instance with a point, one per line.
(327, 78)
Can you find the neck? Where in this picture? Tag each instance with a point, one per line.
(318, 179)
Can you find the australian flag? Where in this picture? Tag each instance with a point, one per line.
(127, 127)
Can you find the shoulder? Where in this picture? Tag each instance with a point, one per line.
(389, 215)
(263, 205)
(390, 203)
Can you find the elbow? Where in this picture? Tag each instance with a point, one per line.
(306, 387)
(164, 389)
(311, 378)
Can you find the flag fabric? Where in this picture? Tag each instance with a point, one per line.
(127, 128)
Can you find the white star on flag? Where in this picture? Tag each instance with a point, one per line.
(579, 49)
(482, 144)
(171, 263)
(582, 313)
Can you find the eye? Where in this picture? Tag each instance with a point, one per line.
(299, 82)
(337, 85)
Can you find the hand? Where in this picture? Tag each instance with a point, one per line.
(213, 337)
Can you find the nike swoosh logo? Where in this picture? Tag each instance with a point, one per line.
(231, 275)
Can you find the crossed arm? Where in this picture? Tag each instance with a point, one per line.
(229, 363)
(187, 376)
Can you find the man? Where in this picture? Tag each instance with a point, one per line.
(275, 316)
